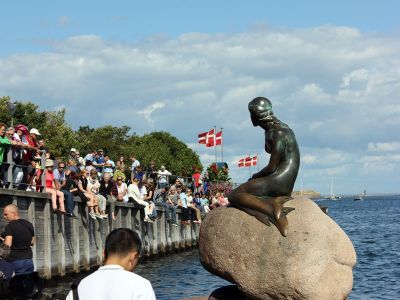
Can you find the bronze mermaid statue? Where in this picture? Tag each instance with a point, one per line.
(265, 193)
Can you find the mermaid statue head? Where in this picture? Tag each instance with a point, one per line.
(261, 110)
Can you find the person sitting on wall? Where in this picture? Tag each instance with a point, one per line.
(182, 204)
(161, 198)
(149, 185)
(135, 195)
(106, 190)
(19, 235)
(50, 189)
(92, 203)
(122, 190)
(205, 204)
(116, 280)
(60, 178)
(94, 187)
(195, 215)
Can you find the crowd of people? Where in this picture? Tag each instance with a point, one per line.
(97, 180)
(114, 280)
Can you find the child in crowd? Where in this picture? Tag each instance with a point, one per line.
(122, 190)
(93, 187)
(92, 200)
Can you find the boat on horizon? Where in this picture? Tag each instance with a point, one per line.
(360, 197)
(332, 196)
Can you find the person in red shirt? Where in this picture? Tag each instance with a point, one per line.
(196, 180)
(55, 194)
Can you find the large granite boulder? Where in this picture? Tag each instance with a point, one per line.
(314, 261)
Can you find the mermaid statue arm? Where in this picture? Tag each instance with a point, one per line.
(277, 151)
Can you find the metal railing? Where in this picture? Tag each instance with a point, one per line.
(11, 173)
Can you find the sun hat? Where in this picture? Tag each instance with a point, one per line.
(73, 150)
(34, 131)
(49, 163)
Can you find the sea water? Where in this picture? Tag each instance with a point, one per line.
(372, 224)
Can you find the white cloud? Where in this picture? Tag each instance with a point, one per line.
(336, 87)
(380, 164)
(147, 111)
(308, 159)
(379, 147)
(355, 76)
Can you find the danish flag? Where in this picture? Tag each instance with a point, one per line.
(251, 161)
(248, 161)
(206, 137)
(241, 163)
(215, 141)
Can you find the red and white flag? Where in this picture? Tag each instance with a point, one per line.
(215, 140)
(247, 161)
(251, 161)
(241, 163)
(206, 137)
(218, 138)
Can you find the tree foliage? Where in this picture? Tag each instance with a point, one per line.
(161, 147)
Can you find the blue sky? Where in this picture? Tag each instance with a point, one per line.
(330, 68)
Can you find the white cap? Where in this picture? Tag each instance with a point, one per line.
(34, 131)
(73, 150)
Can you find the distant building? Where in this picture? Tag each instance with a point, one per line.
(309, 194)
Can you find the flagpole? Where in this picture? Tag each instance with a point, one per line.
(215, 143)
(258, 164)
(222, 145)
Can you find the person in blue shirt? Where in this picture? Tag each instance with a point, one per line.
(182, 204)
(90, 156)
(197, 200)
(98, 161)
(61, 181)
(109, 165)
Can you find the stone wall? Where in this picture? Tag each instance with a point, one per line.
(65, 245)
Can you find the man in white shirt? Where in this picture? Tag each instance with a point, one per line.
(116, 280)
(134, 194)
(162, 176)
(135, 164)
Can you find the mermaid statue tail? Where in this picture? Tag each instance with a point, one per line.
(277, 204)
(281, 223)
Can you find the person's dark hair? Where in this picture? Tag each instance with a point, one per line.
(121, 242)
(197, 194)
(73, 175)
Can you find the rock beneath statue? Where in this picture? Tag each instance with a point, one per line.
(314, 261)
